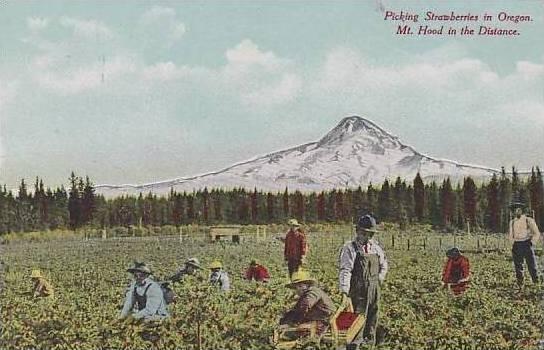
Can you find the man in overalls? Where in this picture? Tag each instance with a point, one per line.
(524, 234)
(363, 267)
(144, 298)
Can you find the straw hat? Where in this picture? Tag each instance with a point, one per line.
(193, 262)
(300, 276)
(293, 222)
(36, 274)
(216, 264)
(140, 267)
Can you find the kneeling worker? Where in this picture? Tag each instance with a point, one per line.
(313, 303)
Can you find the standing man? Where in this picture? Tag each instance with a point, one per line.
(144, 297)
(363, 267)
(296, 247)
(524, 234)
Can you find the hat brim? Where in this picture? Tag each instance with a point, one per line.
(517, 205)
(193, 265)
(132, 270)
(370, 230)
(293, 284)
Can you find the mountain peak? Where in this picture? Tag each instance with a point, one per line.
(349, 126)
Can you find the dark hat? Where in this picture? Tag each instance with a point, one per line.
(453, 252)
(367, 223)
(517, 204)
(139, 267)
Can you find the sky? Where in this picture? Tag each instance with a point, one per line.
(140, 91)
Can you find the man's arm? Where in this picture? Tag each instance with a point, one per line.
(533, 228)
(382, 260)
(129, 302)
(347, 259)
(303, 305)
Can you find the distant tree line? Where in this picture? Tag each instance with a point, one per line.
(443, 205)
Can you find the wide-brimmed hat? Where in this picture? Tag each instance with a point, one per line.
(453, 252)
(216, 264)
(36, 274)
(193, 262)
(517, 204)
(367, 223)
(139, 267)
(293, 222)
(300, 276)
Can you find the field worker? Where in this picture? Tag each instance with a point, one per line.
(41, 288)
(296, 247)
(190, 268)
(363, 267)
(456, 271)
(524, 234)
(313, 303)
(218, 277)
(257, 272)
(144, 298)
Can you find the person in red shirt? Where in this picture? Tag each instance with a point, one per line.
(257, 272)
(456, 271)
(296, 247)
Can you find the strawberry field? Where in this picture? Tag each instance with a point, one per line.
(89, 279)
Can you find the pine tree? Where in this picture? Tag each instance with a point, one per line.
(419, 198)
(470, 200)
(320, 207)
(384, 201)
(270, 207)
(286, 212)
(493, 205)
(74, 202)
(446, 203)
(254, 206)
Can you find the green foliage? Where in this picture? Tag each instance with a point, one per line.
(89, 279)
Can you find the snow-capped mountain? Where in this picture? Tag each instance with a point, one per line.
(355, 152)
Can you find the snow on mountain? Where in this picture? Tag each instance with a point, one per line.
(355, 152)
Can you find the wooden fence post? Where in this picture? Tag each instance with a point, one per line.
(424, 243)
(440, 243)
(408, 243)
(393, 241)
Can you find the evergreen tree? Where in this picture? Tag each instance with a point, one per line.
(493, 205)
(419, 198)
(74, 202)
(384, 201)
(470, 200)
(320, 206)
(270, 207)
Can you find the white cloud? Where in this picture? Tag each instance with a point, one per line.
(247, 53)
(529, 70)
(85, 77)
(87, 28)
(37, 23)
(163, 23)
(164, 71)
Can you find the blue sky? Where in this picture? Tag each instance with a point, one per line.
(138, 91)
